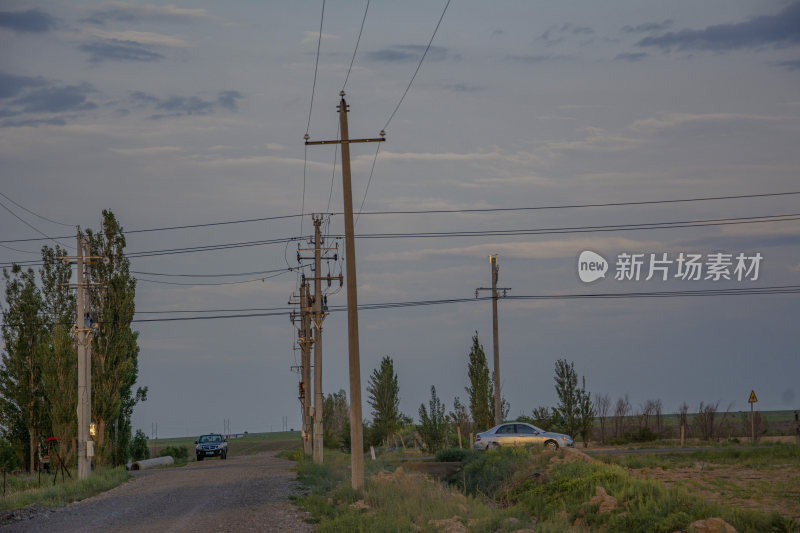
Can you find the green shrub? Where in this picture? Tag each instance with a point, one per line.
(179, 453)
(139, 448)
(453, 455)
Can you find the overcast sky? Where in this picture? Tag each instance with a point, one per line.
(194, 112)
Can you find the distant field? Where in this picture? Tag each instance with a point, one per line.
(250, 444)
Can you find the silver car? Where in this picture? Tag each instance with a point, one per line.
(520, 434)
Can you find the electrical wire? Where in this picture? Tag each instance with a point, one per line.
(37, 230)
(366, 189)
(215, 275)
(310, 109)
(446, 211)
(360, 31)
(251, 313)
(36, 214)
(418, 66)
(263, 278)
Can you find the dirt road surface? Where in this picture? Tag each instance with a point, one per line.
(245, 493)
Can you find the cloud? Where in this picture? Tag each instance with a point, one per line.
(462, 87)
(557, 34)
(314, 36)
(548, 249)
(793, 64)
(11, 85)
(55, 99)
(179, 106)
(780, 29)
(631, 57)
(406, 53)
(683, 121)
(30, 21)
(649, 27)
(537, 59)
(125, 12)
(116, 50)
(139, 37)
(32, 122)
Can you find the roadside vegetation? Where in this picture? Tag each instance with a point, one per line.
(511, 489)
(40, 490)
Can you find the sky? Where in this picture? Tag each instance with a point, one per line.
(192, 113)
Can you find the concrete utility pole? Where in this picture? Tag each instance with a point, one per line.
(356, 429)
(318, 317)
(306, 340)
(495, 266)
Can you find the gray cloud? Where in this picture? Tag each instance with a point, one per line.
(130, 13)
(631, 57)
(649, 27)
(30, 21)
(793, 64)
(11, 85)
(33, 122)
(55, 99)
(780, 29)
(462, 87)
(117, 50)
(534, 59)
(179, 106)
(406, 53)
(557, 34)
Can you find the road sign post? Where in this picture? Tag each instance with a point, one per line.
(751, 401)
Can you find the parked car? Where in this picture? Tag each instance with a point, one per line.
(520, 434)
(211, 445)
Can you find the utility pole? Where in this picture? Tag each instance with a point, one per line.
(305, 340)
(356, 429)
(318, 317)
(495, 266)
(83, 329)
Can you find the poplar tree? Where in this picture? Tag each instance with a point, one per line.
(384, 398)
(115, 351)
(480, 388)
(22, 405)
(60, 364)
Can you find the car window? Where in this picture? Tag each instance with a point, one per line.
(525, 429)
(505, 430)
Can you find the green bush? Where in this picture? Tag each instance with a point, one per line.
(453, 455)
(179, 453)
(139, 448)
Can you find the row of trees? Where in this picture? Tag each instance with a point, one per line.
(437, 427)
(38, 378)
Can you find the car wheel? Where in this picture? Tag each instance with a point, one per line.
(223, 456)
(551, 445)
(492, 446)
(199, 457)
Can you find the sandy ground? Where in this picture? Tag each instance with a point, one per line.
(244, 493)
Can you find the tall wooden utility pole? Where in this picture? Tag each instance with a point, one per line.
(498, 408)
(83, 337)
(84, 371)
(356, 429)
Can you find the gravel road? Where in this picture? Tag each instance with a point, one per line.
(245, 493)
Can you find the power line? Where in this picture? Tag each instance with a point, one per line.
(35, 214)
(310, 109)
(418, 66)
(216, 275)
(442, 211)
(195, 284)
(360, 31)
(475, 233)
(37, 230)
(252, 313)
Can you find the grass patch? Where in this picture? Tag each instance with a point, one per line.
(774, 456)
(24, 491)
(393, 502)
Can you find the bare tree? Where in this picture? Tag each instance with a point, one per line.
(621, 410)
(602, 403)
(683, 410)
(704, 420)
(658, 409)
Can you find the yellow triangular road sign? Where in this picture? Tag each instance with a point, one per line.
(753, 398)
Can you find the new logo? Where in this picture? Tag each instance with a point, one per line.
(591, 266)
